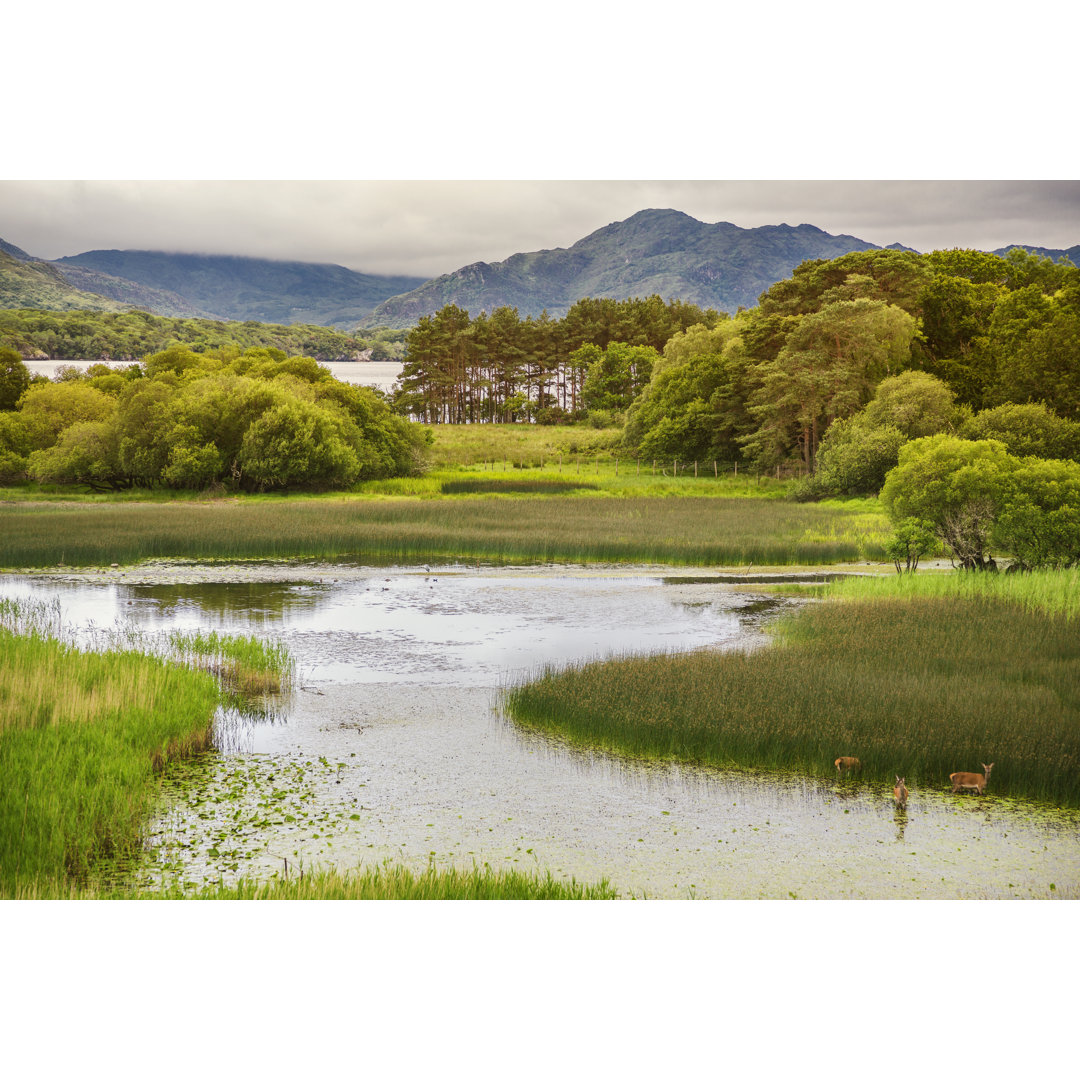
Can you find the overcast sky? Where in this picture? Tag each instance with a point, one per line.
(128, 124)
(433, 227)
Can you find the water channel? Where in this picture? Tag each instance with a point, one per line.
(392, 746)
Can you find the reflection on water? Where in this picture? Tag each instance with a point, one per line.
(216, 605)
(900, 818)
(392, 746)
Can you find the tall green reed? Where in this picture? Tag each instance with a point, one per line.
(83, 734)
(1055, 592)
(920, 687)
(386, 882)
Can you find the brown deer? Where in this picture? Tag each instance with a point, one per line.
(900, 792)
(844, 763)
(971, 779)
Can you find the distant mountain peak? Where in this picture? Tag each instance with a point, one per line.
(664, 252)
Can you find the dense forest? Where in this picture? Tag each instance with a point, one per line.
(132, 335)
(948, 382)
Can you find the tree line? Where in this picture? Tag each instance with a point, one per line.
(132, 335)
(256, 420)
(773, 385)
(500, 368)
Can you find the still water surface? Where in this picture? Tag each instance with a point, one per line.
(381, 374)
(392, 745)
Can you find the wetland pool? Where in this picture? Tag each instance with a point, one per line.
(391, 745)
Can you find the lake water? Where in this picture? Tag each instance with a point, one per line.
(374, 373)
(392, 745)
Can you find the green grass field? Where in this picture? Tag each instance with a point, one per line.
(914, 679)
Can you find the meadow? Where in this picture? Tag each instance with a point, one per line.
(497, 527)
(499, 492)
(916, 676)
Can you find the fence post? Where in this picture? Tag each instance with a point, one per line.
(675, 467)
(695, 470)
(714, 472)
(616, 466)
(736, 468)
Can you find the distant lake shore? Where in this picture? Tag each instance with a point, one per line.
(380, 374)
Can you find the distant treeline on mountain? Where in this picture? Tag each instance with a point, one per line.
(198, 286)
(132, 335)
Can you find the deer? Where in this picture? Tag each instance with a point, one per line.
(971, 779)
(844, 763)
(900, 792)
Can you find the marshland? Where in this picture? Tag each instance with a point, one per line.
(589, 604)
(430, 736)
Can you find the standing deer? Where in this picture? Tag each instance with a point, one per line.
(844, 763)
(971, 779)
(900, 792)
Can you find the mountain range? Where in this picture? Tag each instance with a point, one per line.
(663, 252)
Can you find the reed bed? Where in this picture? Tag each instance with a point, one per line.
(387, 882)
(80, 736)
(921, 686)
(688, 531)
(244, 665)
(83, 734)
(1054, 592)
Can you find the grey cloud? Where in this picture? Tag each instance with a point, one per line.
(429, 227)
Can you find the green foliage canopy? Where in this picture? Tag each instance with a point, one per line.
(14, 378)
(1039, 519)
(957, 487)
(256, 421)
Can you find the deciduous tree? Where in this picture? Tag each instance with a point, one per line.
(957, 486)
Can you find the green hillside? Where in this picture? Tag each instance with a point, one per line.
(39, 285)
(262, 290)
